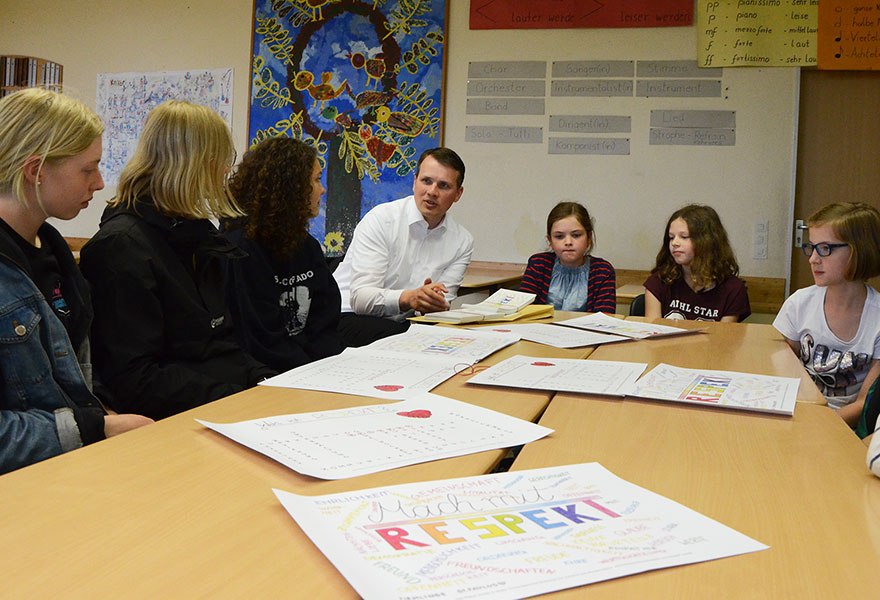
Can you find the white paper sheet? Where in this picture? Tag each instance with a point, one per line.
(728, 389)
(336, 444)
(562, 375)
(388, 375)
(506, 535)
(468, 346)
(553, 335)
(633, 329)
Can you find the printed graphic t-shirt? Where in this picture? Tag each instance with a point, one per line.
(679, 301)
(837, 367)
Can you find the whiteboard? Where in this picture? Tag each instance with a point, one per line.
(511, 187)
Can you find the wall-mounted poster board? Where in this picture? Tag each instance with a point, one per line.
(624, 121)
(123, 101)
(849, 35)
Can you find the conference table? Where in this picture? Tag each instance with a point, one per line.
(797, 484)
(177, 510)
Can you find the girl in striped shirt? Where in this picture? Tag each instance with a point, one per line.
(568, 277)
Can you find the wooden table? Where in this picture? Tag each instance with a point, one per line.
(798, 484)
(746, 347)
(490, 276)
(174, 509)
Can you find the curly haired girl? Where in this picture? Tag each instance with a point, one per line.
(283, 298)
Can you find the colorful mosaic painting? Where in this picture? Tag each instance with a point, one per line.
(361, 82)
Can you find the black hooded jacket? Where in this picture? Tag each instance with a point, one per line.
(162, 335)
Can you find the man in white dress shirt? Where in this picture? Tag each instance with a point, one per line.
(405, 256)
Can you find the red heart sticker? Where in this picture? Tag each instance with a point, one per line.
(542, 364)
(415, 414)
(388, 388)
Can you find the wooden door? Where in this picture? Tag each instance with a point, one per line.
(838, 156)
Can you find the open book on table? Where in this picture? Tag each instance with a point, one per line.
(501, 305)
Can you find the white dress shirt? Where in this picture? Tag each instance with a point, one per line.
(393, 250)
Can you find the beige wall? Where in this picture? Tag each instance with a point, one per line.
(112, 36)
(509, 187)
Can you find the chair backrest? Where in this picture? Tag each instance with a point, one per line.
(333, 261)
(637, 308)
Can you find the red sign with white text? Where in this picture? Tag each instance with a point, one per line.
(571, 14)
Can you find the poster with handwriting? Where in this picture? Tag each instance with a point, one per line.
(757, 33)
(562, 375)
(506, 535)
(335, 444)
(556, 336)
(726, 389)
(849, 34)
(632, 329)
(464, 346)
(123, 101)
(568, 14)
(372, 373)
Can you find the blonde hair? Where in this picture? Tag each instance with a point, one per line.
(180, 161)
(37, 122)
(856, 224)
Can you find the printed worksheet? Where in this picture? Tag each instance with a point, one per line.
(632, 329)
(465, 346)
(506, 535)
(729, 389)
(553, 335)
(377, 374)
(335, 444)
(562, 375)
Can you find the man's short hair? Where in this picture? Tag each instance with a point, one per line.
(447, 158)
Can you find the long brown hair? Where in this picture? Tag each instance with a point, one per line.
(714, 260)
(273, 185)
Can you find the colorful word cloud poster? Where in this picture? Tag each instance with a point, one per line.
(849, 35)
(506, 535)
(757, 33)
(727, 389)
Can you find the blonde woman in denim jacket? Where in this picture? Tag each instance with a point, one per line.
(50, 147)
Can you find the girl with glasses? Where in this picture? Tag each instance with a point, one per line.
(834, 325)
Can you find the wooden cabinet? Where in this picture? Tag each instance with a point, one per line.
(19, 72)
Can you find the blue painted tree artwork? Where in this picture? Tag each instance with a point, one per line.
(361, 82)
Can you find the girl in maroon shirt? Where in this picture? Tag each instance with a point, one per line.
(696, 272)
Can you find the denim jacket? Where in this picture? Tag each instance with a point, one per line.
(46, 406)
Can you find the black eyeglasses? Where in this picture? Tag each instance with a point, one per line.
(823, 248)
